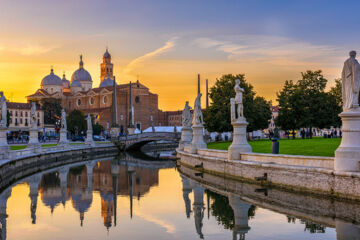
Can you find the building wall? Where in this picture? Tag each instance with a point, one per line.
(20, 119)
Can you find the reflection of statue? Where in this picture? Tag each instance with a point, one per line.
(198, 116)
(237, 108)
(186, 116)
(350, 82)
(33, 115)
(3, 109)
(63, 119)
(89, 124)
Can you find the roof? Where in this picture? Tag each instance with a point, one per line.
(16, 105)
(51, 79)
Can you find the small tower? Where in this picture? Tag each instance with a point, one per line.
(106, 67)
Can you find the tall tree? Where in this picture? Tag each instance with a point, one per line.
(76, 122)
(217, 115)
(52, 110)
(305, 104)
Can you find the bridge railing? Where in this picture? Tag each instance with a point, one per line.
(150, 135)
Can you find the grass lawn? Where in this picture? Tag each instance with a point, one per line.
(20, 147)
(310, 147)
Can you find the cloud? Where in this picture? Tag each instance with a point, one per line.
(170, 228)
(138, 61)
(269, 49)
(34, 50)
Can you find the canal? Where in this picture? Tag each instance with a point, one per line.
(125, 197)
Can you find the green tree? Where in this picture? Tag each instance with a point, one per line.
(97, 128)
(7, 118)
(305, 104)
(76, 122)
(52, 110)
(217, 115)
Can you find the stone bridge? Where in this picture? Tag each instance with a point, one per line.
(136, 141)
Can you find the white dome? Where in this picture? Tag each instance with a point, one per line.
(51, 79)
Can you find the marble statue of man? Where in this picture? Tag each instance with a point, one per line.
(186, 116)
(351, 82)
(89, 123)
(237, 108)
(198, 116)
(3, 108)
(33, 115)
(63, 119)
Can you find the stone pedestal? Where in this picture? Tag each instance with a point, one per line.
(63, 141)
(131, 131)
(347, 156)
(4, 146)
(89, 138)
(239, 144)
(34, 139)
(186, 137)
(198, 138)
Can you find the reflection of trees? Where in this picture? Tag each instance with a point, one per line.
(50, 180)
(309, 226)
(223, 212)
(77, 170)
(313, 227)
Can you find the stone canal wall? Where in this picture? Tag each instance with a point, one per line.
(295, 173)
(25, 165)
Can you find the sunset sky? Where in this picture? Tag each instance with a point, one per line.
(167, 43)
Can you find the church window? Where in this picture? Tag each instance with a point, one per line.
(91, 101)
(78, 102)
(137, 99)
(105, 99)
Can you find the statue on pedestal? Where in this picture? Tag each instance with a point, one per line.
(350, 82)
(33, 115)
(198, 116)
(186, 116)
(3, 109)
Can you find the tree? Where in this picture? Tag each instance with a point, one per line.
(305, 104)
(97, 128)
(76, 122)
(52, 110)
(217, 115)
(7, 118)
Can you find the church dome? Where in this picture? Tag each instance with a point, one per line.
(107, 54)
(51, 79)
(76, 83)
(107, 82)
(65, 82)
(81, 74)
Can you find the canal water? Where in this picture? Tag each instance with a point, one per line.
(128, 198)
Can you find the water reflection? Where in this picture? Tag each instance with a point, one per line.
(174, 205)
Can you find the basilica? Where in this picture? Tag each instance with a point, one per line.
(133, 100)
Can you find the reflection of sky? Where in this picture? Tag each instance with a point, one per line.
(167, 42)
(160, 214)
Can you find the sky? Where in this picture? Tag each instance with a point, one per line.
(166, 43)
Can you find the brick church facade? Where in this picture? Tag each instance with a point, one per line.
(79, 94)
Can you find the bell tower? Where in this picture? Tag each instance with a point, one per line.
(106, 67)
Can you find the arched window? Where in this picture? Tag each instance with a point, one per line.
(137, 99)
(78, 102)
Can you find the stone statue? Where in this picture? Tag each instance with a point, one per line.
(33, 115)
(3, 109)
(63, 119)
(198, 116)
(89, 123)
(237, 107)
(153, 126)
(186, 116)
(351, 82)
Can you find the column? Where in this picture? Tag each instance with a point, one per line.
(241, 214)
(34, 182)
(198, 207)
(186, 191)
(63, 172)
(4, 196)
(115, 170)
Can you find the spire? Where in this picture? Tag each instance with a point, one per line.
(64, 75)
(114, 105)
(52, 70)
(207, 93)
(81, 63)
(198, 84)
